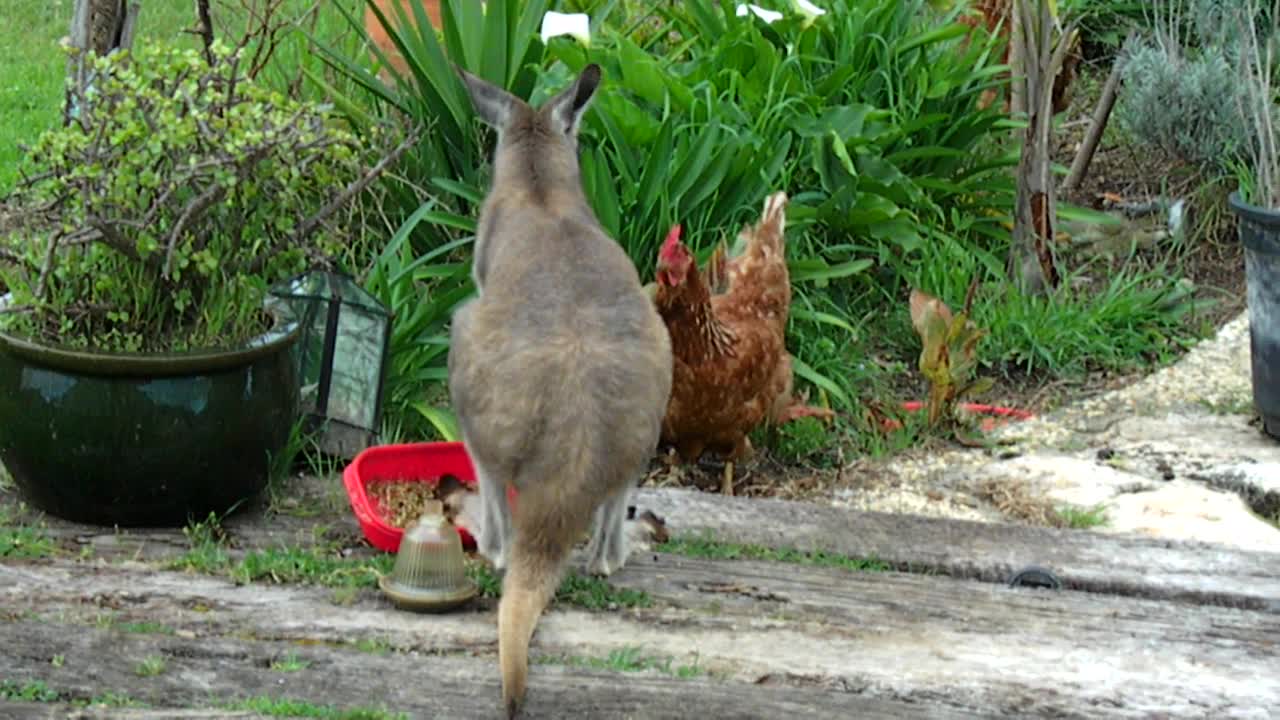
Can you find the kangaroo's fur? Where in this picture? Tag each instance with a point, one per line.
(559, 371)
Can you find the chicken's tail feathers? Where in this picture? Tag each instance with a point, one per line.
(773, 221)
(766, 237)
(717, 269)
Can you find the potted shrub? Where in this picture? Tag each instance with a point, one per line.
(1257, 205)
(145, 376)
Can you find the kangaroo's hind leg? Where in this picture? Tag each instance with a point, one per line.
(608, 549)
(494, 541)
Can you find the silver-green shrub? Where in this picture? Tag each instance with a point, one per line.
(1182, 102)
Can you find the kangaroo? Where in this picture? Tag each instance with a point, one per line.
(559, 369)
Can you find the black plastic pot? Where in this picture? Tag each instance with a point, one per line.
(145, 440)
(1260, 234)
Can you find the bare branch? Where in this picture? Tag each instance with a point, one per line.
(10, 256)
(197, 205)
(50, 252)
(310, 224)
(205, 29)
(108, 233)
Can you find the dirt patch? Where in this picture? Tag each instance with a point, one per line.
(1016, 499)
(1124, 172)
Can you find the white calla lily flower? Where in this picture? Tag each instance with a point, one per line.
(769, 16)
(576, 25)
(808, 9)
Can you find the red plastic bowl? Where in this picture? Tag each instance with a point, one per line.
(413, 462)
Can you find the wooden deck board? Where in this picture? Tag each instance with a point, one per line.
(1126, 565)
(938, 641)
(222, 670)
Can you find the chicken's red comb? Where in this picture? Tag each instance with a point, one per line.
(671, 243)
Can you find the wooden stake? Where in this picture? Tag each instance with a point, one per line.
(1097, 126)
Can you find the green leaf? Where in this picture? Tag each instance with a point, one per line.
(819, 317)
(442, 419)
(473, 195)
(641, 73)
(818, 270)
(801, 368)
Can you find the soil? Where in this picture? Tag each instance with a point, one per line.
(1124, 172)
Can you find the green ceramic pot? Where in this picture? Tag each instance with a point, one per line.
(145, 440)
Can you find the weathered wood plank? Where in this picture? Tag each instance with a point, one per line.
(422, 686)
(63, 711)
(919, 638)
(1085, 561)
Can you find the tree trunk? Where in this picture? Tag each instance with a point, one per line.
(1017, 60)
(1031, 263)
(98, 27)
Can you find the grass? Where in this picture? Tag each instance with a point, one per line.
(373, 646)
(290, 663)
(286, 565)
(32, 67)
(288, 707)
(629, 659)
(150, 666)
(583, 591)
(712, 549)
(143, 628)
(31, 691)
(22, 541)
(1078, 518)
(39, 691)
(326, 567)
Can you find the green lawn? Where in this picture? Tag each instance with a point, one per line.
(32, 66)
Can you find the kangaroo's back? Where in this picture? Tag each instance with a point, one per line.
(559, 370)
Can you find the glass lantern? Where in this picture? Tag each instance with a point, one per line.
(342, 357)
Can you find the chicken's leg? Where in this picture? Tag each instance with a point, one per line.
(741, 450)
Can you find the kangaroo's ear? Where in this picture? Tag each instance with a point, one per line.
(565, 109)
(492, 103)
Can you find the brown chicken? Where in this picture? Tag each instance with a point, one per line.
(732, 370)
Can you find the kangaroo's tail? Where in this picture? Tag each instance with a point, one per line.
(548, 518)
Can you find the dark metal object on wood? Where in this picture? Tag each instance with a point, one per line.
(1034, 576)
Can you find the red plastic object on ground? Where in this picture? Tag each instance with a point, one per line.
(412, 462)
